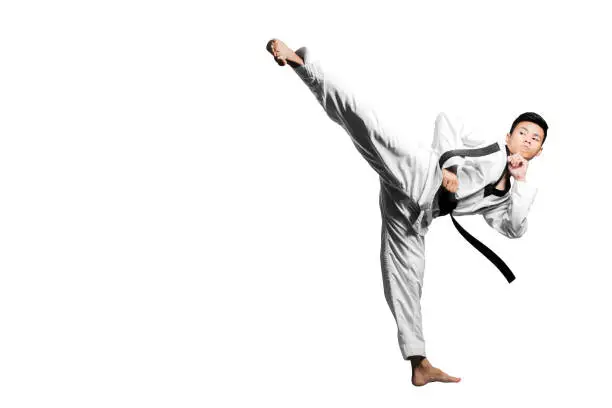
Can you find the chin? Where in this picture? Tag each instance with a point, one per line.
(528, 155)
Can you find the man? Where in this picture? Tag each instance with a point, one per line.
(457, 175)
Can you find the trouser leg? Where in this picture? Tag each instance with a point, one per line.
(410, 177)
(402, 257)
(399, 161)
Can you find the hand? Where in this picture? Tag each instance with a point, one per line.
(517, 165)
(449, 181)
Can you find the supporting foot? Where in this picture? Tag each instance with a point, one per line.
(423, 373)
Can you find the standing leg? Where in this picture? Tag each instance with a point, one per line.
(402, 259)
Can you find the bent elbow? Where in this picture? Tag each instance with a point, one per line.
(518, 232)
(514, 235)
(441, 116)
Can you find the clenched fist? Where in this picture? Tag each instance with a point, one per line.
(517, 165)
(449, 181)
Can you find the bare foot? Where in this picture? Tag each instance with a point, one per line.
(283, 54)
(425, 373)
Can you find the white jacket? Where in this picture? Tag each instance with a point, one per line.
(480, 165)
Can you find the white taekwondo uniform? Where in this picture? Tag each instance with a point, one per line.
(410, 181)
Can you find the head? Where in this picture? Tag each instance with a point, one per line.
(527, 135)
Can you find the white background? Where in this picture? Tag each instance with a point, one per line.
(181, 225)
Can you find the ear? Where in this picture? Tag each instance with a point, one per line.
(507, 138)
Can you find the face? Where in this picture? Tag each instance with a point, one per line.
(526, 139)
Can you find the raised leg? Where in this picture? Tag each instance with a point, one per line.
(400, 162)
(381, 149)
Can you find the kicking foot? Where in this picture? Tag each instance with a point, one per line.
(425, 373)
(283, 54)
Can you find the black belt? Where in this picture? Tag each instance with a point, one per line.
(491, 256)
(447, 202)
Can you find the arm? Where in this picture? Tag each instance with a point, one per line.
(510, 219)
(463, 176)
(447, 136)
(452, 133)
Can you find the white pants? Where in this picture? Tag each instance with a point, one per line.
(409, 178)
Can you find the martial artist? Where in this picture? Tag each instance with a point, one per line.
(457, 174)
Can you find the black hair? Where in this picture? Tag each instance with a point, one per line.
(533, 118)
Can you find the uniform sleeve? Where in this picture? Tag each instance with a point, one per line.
(447, 136)
(510, 219)
(452, 133)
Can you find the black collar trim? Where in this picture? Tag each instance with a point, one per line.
(481, 151)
